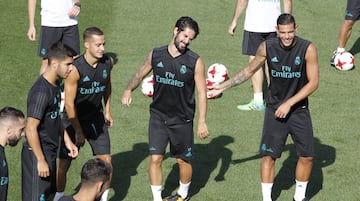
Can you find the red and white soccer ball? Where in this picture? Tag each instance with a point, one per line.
(217, 73)
(147, 86)
(344, 61)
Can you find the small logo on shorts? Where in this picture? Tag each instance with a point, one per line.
(152, 149)
(189, 153)
(264, 149)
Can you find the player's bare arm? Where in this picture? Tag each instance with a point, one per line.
(70, 86)
(200, 83)
(240, 6)
(312, 73)
(288, 6)
(136, 80)
(73, 149)
(31, 14)
(32, 137)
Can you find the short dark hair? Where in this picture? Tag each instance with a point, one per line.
(285, 19)
(187, 22)
(11, 113)
(90, 31)
(59, 51)
(95, 170)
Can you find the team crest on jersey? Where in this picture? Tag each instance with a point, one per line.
(105, 74)
(183, 69)
(297, 61)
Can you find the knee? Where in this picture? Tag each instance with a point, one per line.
(305, 160)
(268, 160)
(156, 159)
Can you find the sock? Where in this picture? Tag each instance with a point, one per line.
(104, 196)
(183, 189)
(266, 191)
(58, 195)
(258, 97)
(156, 191)
(300, 190)
(340, 49)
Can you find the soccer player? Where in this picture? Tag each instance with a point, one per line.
(177, 72)
(43, 128)
(86, 87)
(294, 75)
(259, 25)
(59, 23)
(12, 128)
(352, 14)
(95, 173)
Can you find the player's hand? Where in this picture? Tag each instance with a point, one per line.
(202, 130)
(214, 91)
(31, 33)
(43, 169)
(126, 98)
(79, 139)
(232, 29)
(283, 110)
(109, 120)
(73, 150)
(74, 11)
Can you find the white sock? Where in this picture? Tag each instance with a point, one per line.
(300, 190)
(183, 189)
(156, 191)
(58, 195)
(104, 196)
(258, 97)
(340, 49)
(266, 191)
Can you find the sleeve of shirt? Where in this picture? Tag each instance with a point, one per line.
(37, 103)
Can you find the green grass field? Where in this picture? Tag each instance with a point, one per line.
(226, 165)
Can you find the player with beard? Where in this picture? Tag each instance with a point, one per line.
(294, 75)
(12, 128)
(177, 72)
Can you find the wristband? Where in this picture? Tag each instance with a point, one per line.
(77, 4)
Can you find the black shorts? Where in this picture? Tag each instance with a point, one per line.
(67, 35)
(252, 40)
(35, 188)
(297, 124)
(352, 10)
(97, 134)
(180, 135)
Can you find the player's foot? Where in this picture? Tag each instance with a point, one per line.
(258, 106)
(332, 59)
(176, 197)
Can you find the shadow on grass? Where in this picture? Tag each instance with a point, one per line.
(125, 166)
(355, 48)
(205, 160)
(285, 178)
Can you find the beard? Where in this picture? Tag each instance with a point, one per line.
(177, 45)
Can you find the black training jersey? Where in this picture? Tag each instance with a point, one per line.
(287, 71)
(43, 103)
(4, 175)
(91, 86)
(174, 83)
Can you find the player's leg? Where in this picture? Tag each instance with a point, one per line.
(158, 140)
(272, 144)
(302, 134)
(71, 39)
(352, 14)
(48, 36)
(107, 158)
(251, 42)
(64, 163)
(181, 146)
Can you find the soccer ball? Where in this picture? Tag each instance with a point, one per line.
(217, 73)
(344, 61)
(147, 86)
